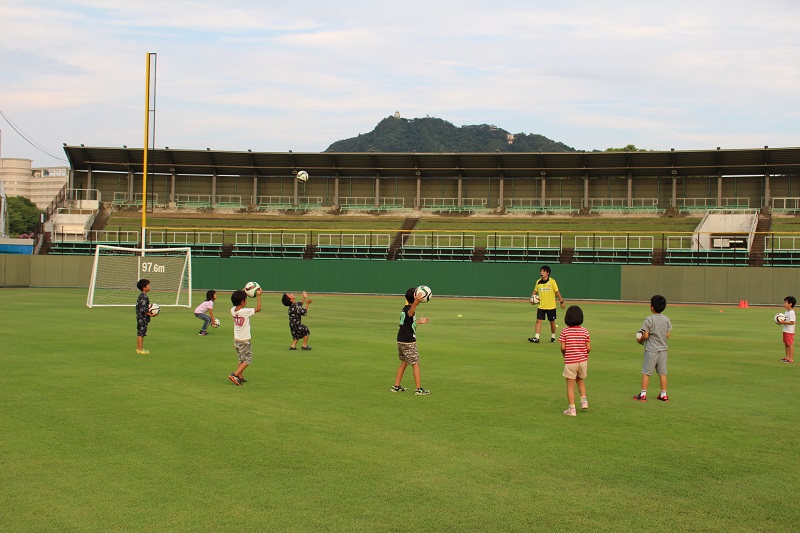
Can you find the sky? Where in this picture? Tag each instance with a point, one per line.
(275, 75)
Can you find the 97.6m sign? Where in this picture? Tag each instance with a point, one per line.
(153, 267)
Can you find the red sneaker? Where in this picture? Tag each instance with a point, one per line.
(663, 397)
(640, 398)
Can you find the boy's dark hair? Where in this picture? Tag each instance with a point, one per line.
(286, 300)
(573, 316)
(545, 268)
(658, 303)
(238, 297)
(791, 299)
(142, 284)
(411, 294)
(210, 295)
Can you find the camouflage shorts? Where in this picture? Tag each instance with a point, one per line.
(141, 325)
(407, 351)
(298, 332)
(245, 351)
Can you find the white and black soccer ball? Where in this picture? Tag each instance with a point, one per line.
(154, 309)
(779, 317)
(250, 289)
(302, 176)
(639, 335)
(216, 322)
(535, 299)
(425, 291)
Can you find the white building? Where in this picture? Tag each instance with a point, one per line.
(40, 185)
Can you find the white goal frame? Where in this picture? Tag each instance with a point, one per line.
(170, 279)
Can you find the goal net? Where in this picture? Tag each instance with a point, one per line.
(117, 269)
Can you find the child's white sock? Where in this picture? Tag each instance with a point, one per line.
(643, 393)
(663, 393)
(536, 336)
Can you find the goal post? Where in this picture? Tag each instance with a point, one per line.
(117, 270)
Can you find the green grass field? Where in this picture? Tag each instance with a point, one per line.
(96, 438)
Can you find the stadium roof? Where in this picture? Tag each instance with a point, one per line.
(746, 162)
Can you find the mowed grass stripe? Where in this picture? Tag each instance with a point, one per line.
(96, 437)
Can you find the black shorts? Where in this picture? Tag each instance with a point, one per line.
(550, 314)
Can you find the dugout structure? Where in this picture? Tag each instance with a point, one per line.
(116, 271)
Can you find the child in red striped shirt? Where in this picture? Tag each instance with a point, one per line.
(575, 345)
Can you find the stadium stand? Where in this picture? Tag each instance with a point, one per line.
(625, 249)
(353, 245)
(269, 244)
(438, 247)
(523, 248)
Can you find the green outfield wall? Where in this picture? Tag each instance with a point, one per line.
(454, 278)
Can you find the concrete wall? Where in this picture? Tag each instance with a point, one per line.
(710, 284)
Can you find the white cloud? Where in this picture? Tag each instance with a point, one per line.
(301, 75)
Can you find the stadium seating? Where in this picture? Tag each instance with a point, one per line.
(730, 257)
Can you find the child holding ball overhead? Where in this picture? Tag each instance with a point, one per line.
(241, 332)
(407, 342)
(575, 345)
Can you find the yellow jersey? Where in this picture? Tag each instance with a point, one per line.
(547, 293)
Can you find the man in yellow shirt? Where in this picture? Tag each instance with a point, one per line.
(545, 293)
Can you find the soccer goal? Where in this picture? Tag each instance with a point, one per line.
(117, 269)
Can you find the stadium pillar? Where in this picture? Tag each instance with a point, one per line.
(214, 188)
(336, 191)
(766, 191)
(501, 195)
(586, 190)
(130, 186)
(460, 188)
(417, 200)
(719, 189)
(544, 195)
(630, 189)
(674, 191)
(254, 198)
(377, 199)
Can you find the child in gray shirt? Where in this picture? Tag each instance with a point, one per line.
(655, 332)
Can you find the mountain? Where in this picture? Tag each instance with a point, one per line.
(429, 134)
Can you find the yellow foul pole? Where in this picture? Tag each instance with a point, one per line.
(146, 143)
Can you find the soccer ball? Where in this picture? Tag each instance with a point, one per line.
(251, 288)
(535, 299)
(639, 334)
(216, 322)
(154, 309)
(302, 176)
(779, 317)
(425, 291)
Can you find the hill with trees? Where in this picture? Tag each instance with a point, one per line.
(429, 134)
